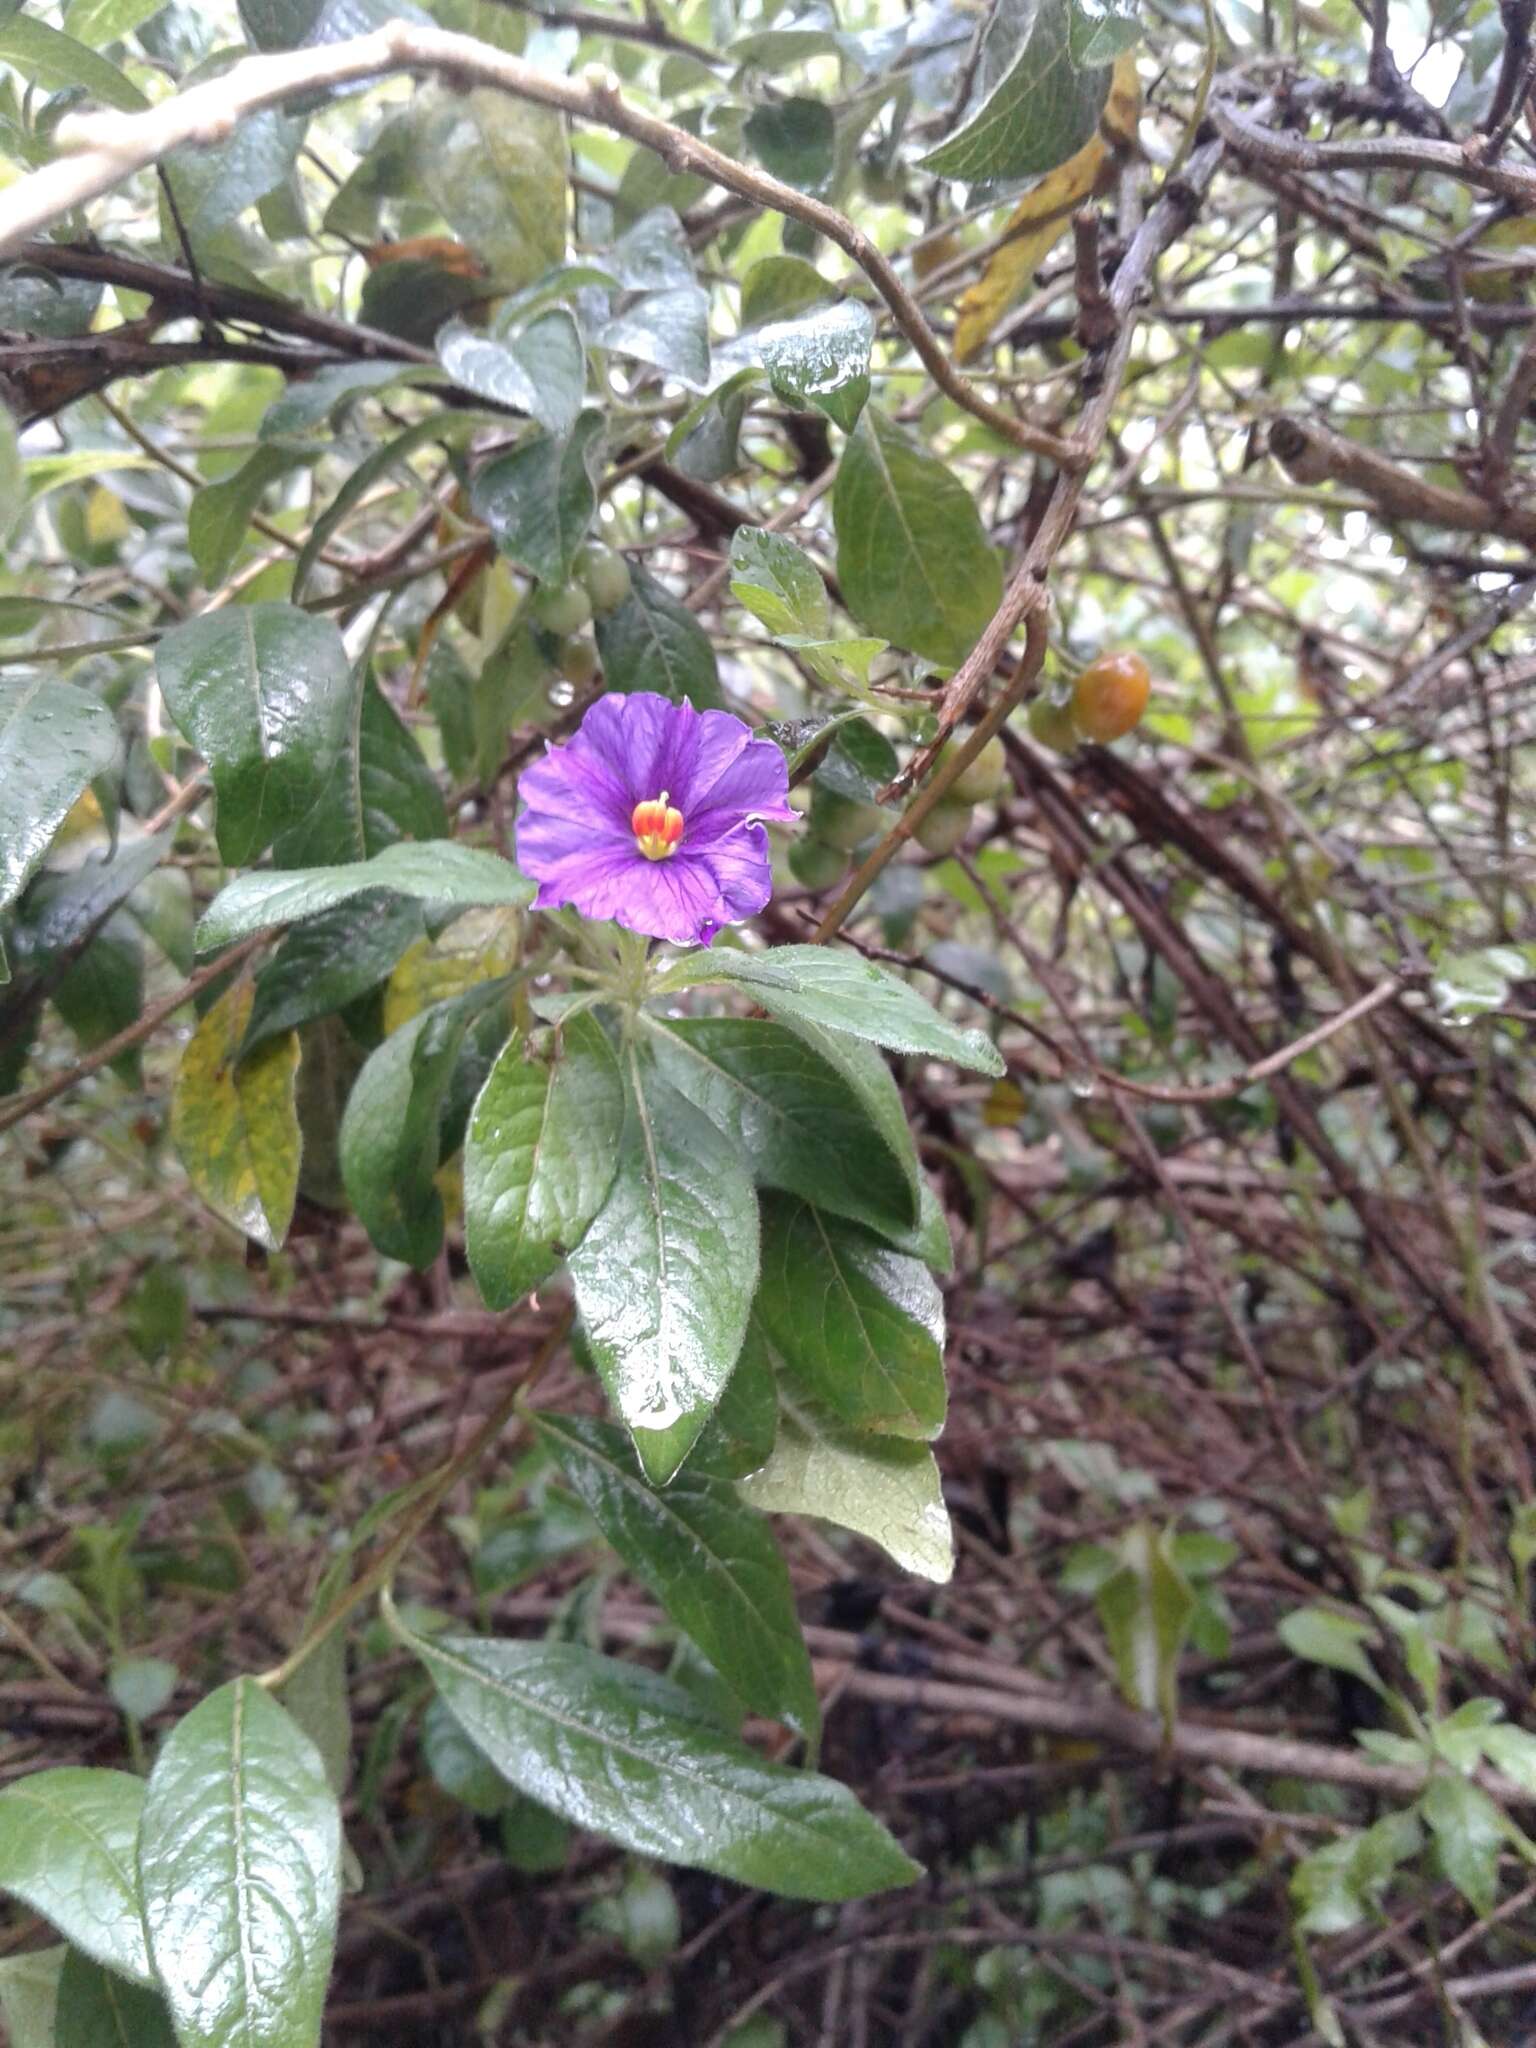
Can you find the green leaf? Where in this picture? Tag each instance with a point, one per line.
(262, 691)
(1469, 1832)
(141, 1686)
(1034, 107)
(414, 299)
(740, 1434)
(912, 556)
(842, 991)
(294, 24)
(99, 22)
(654, 643)
(98, 2010)
(1146, 1606)
(48, 58)
(496, 168)
(29, 1990)
(393, 455)
(214, 185)
(652, 254)
(328, 961)
(54, 741)
(881, 1487)
(66, 1850)
(1512, 1751)
(458, 1767)
(240, 1865)
(539, 1159)
(619, 1750)
(235, 1122)
(102, 991)
(796, 140)
(312, 402)
(819, 359)
(664, 1277)
(13, 485)
(1322, 1637)
(779, 287)
(380, 791)
(443, 873)
(709, 1559)
(391, 1135)
(1098, 31)
(668, 328)
(539, 500)
(1337, 1886)
(220, 514)
(859, 1326)
(792, 1114)
(779, 583)
(841, 665)
(315, 1699)
(542, 371)
(705, 443)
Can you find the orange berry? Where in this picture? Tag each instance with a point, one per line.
(1110, 696)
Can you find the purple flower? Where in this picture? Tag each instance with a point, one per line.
(649, 816)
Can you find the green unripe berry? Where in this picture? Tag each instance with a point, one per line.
(814, 864)
(982, 779)
(576, 659)
(1051, 724)
(604, 576)
(944, 828)
(843, 821)
(562, 608)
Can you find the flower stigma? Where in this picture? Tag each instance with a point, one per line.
(657, 826)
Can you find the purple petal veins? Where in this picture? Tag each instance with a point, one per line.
(578, 838)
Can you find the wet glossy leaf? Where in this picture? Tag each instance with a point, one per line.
(778, 583)
(859, 1326)
(67, 1850)
(328, 961)
(654, 643)
(240, 1864)
(881, 1487)
(1033, 104)
(380, 790)
(665, 1275)
(445, 874)
(912, 556)
(779, 287)
(54, 740)
(539, 1159)
(263, 692)
(541, 371)
(818, 359)
(98, 2009)
(619, 1750)
(310, 403)
(709, 1559)
(792, 1115)
(668, 328)
(817, 985)
(539, 500)
(706, 442)
(235, 1121)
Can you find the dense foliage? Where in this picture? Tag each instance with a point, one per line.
(769, 1184)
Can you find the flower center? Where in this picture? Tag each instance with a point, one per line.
(657, 827)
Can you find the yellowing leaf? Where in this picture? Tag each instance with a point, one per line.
(235, 1122)
(1041, 217)
(476, 947)
(106, 518)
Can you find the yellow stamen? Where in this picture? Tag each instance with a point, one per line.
(657, 826)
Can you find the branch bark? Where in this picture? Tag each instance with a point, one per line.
(103, 149)
(1314, 454)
